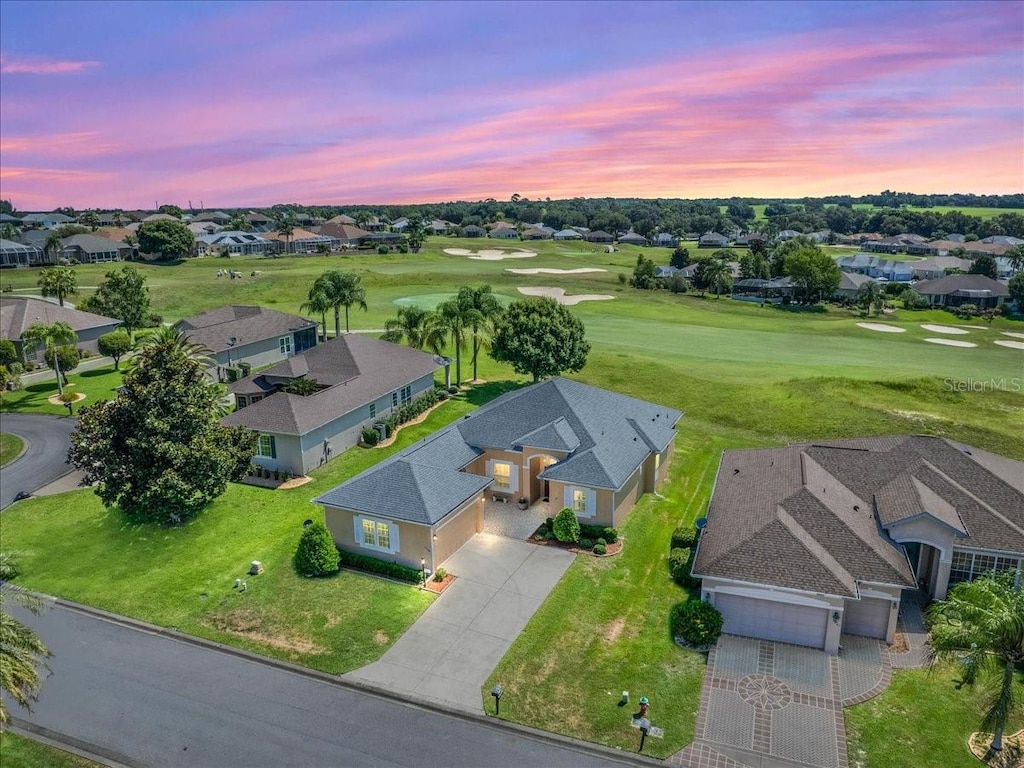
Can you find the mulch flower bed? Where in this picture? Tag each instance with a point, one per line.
(1011, 756)
(610, 549)
(439, 586)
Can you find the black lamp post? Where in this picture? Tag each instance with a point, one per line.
(645, 726)
(496, 692)
(423, 569)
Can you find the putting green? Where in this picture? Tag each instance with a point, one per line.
(431, 300)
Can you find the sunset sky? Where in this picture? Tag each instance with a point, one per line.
(248, 104)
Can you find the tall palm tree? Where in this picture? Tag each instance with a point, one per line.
(344, 290)
(54, 246)
(413, 326)
(981, 627)
(481, 324)
(286, 228)
(450, 321)
(21, 650)
(51, 336)
(58, 282)
(318, 303)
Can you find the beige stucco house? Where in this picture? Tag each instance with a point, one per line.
(578, 446)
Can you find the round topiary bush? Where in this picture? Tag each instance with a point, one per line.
(550, 536)
(697, 623)
(602, 542)
(586, 543)
(600, 549)
(567, 527)
(316, 555)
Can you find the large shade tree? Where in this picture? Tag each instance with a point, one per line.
(22, 653)
(58, 282)
(540, 337)
(980, 626)
(158, 450)
(51, 336)
(122, 295)
(171, 239)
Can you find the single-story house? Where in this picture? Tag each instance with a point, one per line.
(936, 266)
(235, 242)
(91, 249)
(787, 234)
(599, 236)
(362, 379)
(17, 313)
(341, 219)
(954, 290)
(567, 234)
(713, 240)
(46, 220)
(873, 266)
(159, 217)
(385, 238)
(217, 217)
(632, 238)
(14, 254)
(347, 235)
(259, 222)
(504, 233)
(857, 238)
(588, 449)
(439, 226)
(14, 221)
(666, 240)
(300, 241)
(1002, 240)
(200, 228)
(661, 272)
(399, 225)
(759, 289)
(744, 238)
(809, 542)
(850, 284)
(472, 230)
(248, 334)
(535, 233)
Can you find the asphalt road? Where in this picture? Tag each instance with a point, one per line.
(147, 699)
(48, 439)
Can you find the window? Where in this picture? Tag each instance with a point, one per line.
(240, 401)
(285, 343)
(394, 399)
(373, 410)
(579, 501)
(967, 566)
(582, 501)
(267, 447)
(502, 476)
(406, 394)
(377, 534)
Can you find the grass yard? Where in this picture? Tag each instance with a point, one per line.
(22, 752)
(10, 448)
(922, 718)
(76, 549)
(97, 384)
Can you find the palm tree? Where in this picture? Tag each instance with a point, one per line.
(870, 296)
(240, 224)
(170, 342)
(451, 320)
(54, 246)
(344, 290)
(417, 233)
(413, 325)
(58, 282)
(51, 336)
(981, 627)
(286, 228)
(318, 302)
(21, 650)
(481, 324)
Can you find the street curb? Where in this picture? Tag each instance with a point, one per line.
(565, 742)
(70, 744)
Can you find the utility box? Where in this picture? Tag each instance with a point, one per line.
(256, 568)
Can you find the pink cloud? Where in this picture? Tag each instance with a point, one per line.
(13, 65)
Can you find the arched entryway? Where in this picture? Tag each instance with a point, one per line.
(539, 488)
(926, 562)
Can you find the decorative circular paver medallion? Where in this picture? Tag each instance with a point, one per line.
(764, 691)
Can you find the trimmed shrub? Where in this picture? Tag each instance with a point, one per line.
(440, 575)
(453, 390)
(683, 537)
(381, 567)
(600, 549)
(550, 536)
(550, 523)
(370, 436)
(383, 250)
(543, 530)
(679, 566)
(587, 543)
(8, 353)
(567, 527)
(316, 554)
(695, 622)
(610, 535)
(602, 542)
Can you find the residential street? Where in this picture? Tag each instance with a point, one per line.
(47, 441)
(146, 699)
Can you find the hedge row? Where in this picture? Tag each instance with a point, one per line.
(381, 567)
(696, 622)
(679, 565)
(683, 537)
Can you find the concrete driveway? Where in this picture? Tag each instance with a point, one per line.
(47, 440)
(447, 655)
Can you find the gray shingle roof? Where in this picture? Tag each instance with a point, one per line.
(953, 283)
(831, 492)
(93, 243)
(244, 324)
(556, 436)
(19, 312)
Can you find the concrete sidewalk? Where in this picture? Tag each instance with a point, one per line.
(448, 654)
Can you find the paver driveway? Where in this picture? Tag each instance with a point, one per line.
(449, 652)
(767, 704)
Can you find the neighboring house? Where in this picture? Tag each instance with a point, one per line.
(259, 222)
(759, 289)
(92, 249)
(301, 241)
(1002, 240)
(341, 219)
(159, 217)
(472, 230)
(873, 266)
(954, 290)
(45, 220)
(850, 284)
(217, 217)
(588, 449)
(374, 224)
(599, 236)
(821, 236)
(399, 225)
(385, 238)
(14, 254)
(246, 334)
(17, 313)
(6, 218)
(198, 229)
(345, 235)
(787, 234)
(235, 242)
(808, 542)
(504, 233)
(632, 238)
(535, 233)
(713, 240)
(567, 234)
(666, 272)
(363, 380)
(666, 240)
(936, 266)
(858, 238)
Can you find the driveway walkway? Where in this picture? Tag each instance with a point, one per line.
(47, 440)
(452, 648)
(773, 705)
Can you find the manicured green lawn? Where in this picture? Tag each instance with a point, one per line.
(10, 447)
(922, 718)
(21, 752)
(97, 384)
(183, 577)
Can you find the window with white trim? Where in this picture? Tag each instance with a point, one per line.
(380, 535)
(502, 476)
(967, 566)
(267, 447)
(582, 501)
(579, 501)
(394, 399)
(285, 343)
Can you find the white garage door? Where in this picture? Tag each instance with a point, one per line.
(771, 620)
(868, 616)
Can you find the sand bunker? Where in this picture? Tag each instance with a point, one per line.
(1013, 333)
(490, 255)
(559, 295)
(546, 271)
(952, 342)
(1011, 344)
(882, 327)
(945, 329)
